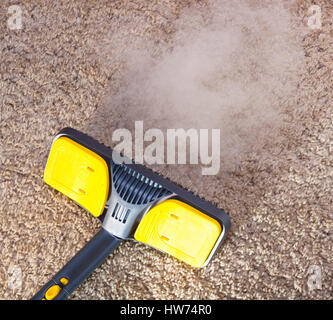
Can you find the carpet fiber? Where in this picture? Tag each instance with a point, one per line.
(63, 68)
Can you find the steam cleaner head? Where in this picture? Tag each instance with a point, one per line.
(131, 202)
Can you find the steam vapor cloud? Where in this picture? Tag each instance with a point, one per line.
(228, 65)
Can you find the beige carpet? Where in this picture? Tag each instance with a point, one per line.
(74, 64)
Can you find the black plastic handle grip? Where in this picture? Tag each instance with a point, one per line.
(81, 266)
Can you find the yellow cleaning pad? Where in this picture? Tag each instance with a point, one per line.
(79, 173)
(180, 230)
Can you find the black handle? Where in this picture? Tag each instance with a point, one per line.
(79, 267)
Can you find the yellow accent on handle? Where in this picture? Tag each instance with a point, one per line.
(79, 173)
(64, 281)
(52, 292)
(180, 230)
